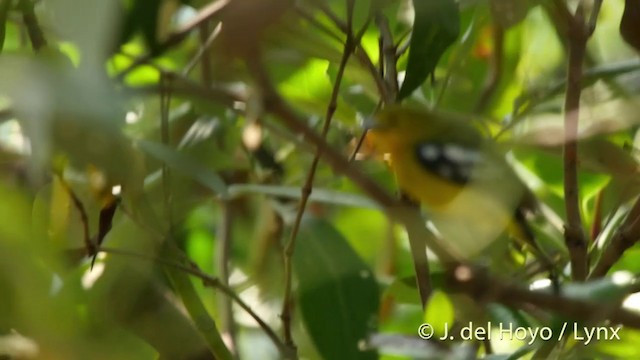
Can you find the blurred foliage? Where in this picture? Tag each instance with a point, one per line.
(153, 103)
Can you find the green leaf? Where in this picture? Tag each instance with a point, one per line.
(142, 16)
(630, 261)
(293, 192)
(500, 314)
(404, 291)
(607, 290)
(436, 26)
(334, 280)
(625, 348)
(185, 165)
(439, 312)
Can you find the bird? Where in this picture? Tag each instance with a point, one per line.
(459, 176)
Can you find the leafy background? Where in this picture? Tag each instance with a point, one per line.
(204, 119)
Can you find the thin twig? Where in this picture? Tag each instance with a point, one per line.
(306, 190)
(414, 223)
(202, 55)
(223, 252)
(574, 234)
(165, 102)
(90, 247)
(324, 7)
(31, 23)
(302, 11)
(563, 13)
(593, 18)
(360, 52)
(276, 105)
(482, 287)
(206, 41)
(383, 89)
(496, 69)
(388, 52)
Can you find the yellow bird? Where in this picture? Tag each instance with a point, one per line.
(461, 178)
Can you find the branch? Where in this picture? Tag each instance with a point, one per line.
(575, 239)
(89, 246)
(274, 104)
(307, 188)
(388, 57)
(202, 55)
(30, 20)
(496, 68)
(593, 18)
(223, 252)
(415, 226)
(479, 285)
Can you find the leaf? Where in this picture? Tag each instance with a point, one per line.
(334, 281)
(607, 290)
(293, 192)
(142, 16)
(436, 26)
(625, 348)
(500, 314)
(185, 165)
(404, 291)
(439, 312)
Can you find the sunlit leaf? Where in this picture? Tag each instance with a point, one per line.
(439, 312)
